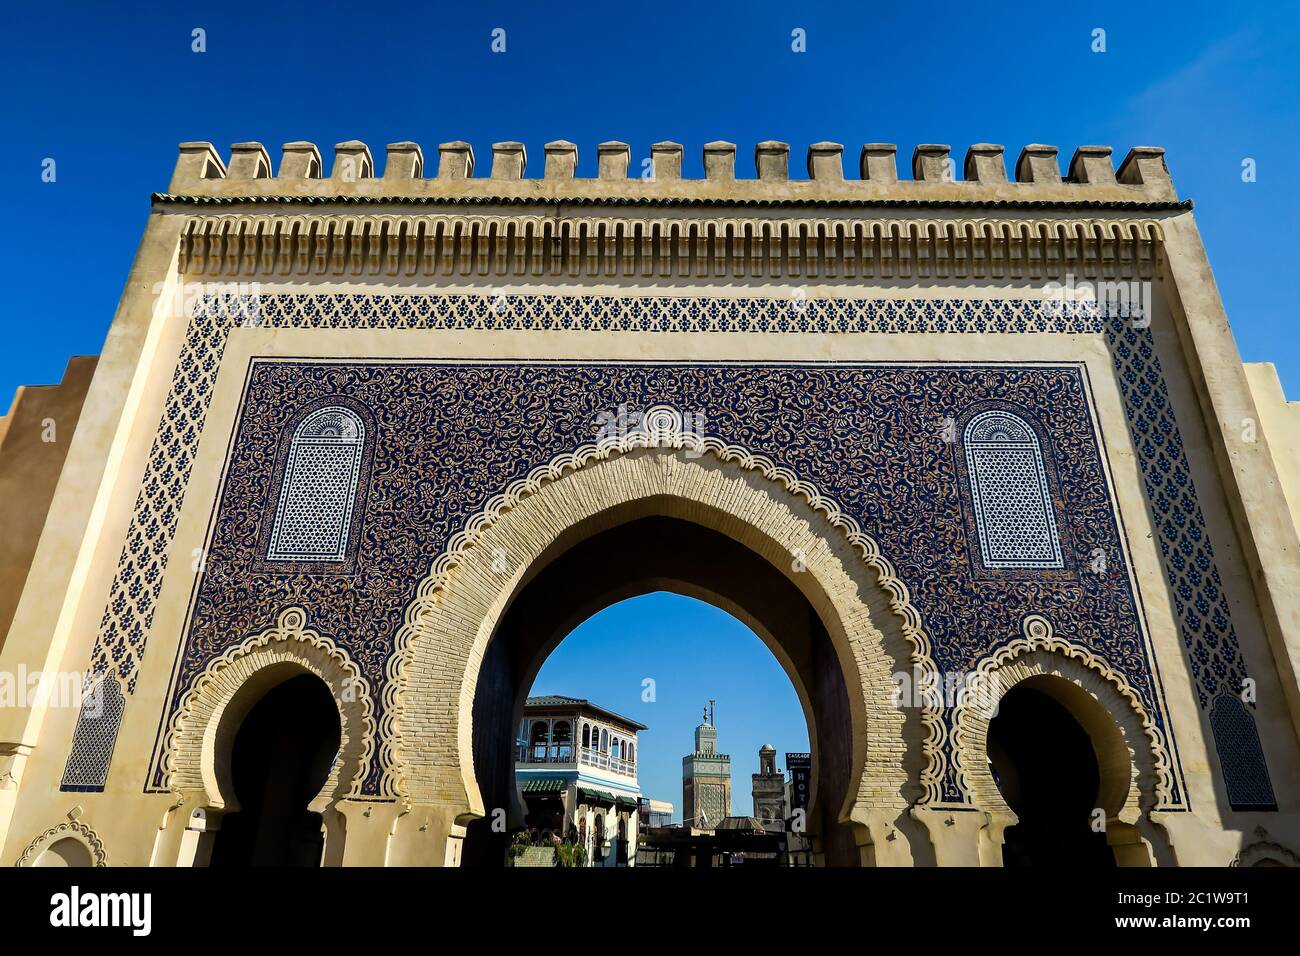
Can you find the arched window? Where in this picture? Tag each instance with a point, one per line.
(586, 735)
(314, 514)
(1014, 516)
(604, 741)
(539, 738)
(562, 737)
(631, 752)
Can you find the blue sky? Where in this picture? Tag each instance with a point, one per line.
(107, 91)
(692, 651)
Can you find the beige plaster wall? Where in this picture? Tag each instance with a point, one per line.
(34, 440)
(1280, 421)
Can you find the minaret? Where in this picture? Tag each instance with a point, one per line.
(769, 791)
(706, 778)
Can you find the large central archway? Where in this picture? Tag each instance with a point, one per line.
(662, 554)
(725, 528)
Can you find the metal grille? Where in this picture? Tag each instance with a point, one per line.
(96, 733)
(1013, 506)
(320, 486)
(1237, 740)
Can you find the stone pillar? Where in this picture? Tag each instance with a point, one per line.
(720, 161)
(613, 158)
(956, 835)
(196, 840)
(993, 836)
(249, 161)
(879, 163)
(455, 160)
(13, 758)
(880, 839)
(197, 161)
(405, 161)
(167, 841)
(426, 836)
(772, 161)
(826, 162)
(930, 164)
(509, 160)
(367, 828)
(1127, 844)
(1038, 164)
(666, 160)
(561, 160)
(1091, 164)
(300, 160)
(985, 163)
(352, 161)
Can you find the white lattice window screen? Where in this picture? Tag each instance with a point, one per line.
(314, 513)
(95, 735)
(1008, 482)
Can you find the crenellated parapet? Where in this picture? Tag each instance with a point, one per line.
(1090, 178)
(644, 218)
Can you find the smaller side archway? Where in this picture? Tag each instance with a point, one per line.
(203, 733)
(1265, 851)
(1131, 763)
(70, 845)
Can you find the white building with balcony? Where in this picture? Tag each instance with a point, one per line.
(575, 766)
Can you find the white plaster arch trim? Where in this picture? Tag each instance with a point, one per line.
(1264, 847)
(194, 761)
(1040, 652)
(72, 829)
(662, 428)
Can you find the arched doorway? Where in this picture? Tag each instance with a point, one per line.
(848, 622)
(1044, 764)
(67, 852)
(635, 557)
(281, 758)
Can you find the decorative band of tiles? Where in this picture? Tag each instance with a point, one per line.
(1202, 609)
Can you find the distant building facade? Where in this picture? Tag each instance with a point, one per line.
(575, 767)
(706, 779)
(769, 791)
(656, 813)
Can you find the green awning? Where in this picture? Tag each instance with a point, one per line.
(604, 796)
(545, 785)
